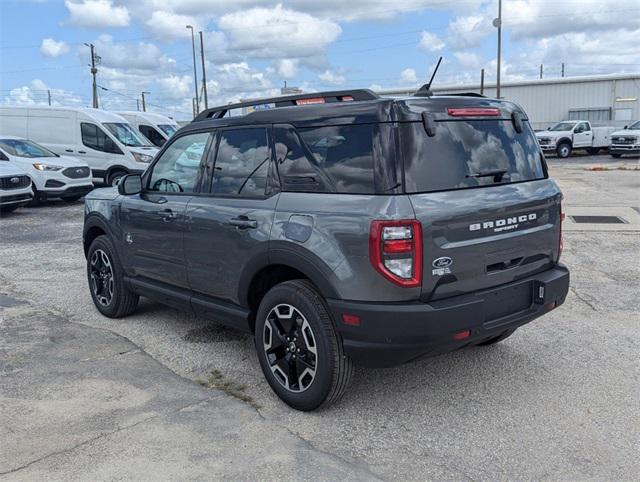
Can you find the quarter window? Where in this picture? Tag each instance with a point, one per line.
(177, 169)
(242, 163)
(153, 135)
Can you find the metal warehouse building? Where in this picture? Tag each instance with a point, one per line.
(603, 99)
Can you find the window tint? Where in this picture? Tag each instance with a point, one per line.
(177, 168)
(242, 163)
(327, 159)
(23, 148)
(465, 154)
(153, 135)
(95, 138)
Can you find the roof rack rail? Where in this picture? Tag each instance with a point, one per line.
(290, 100)
(464, 94)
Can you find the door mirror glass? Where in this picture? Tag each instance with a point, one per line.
(130, 184)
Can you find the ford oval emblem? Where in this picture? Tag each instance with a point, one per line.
(15, 180)
(443, 262)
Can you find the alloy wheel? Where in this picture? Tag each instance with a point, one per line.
(290, 348)
(101, 273)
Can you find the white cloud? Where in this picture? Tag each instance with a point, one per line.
(408, 76)
(36, 94)
(278, 33)
(430, 42)
(177, 87)
(468, 31)
(141, 57)
(468, 60)
(288, 68)
(53, 48)
(168, 25)
(97, 13)
(331, 77)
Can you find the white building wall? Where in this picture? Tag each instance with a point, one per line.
(549, 100)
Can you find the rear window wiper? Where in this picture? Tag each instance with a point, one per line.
(496, 174)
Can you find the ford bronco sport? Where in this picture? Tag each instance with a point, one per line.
(339, 228)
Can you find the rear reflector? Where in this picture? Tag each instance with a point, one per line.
(351, 320)
(472, 111)
(461, 335)
(312, 100)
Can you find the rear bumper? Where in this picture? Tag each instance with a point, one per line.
(393, 333)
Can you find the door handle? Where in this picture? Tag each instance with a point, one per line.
(167, 214)
(69, 150)
(82, 152)
(243, 222)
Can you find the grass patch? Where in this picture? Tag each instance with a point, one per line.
(217, 380)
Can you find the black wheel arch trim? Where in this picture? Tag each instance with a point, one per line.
(564, 140)
(96, 220)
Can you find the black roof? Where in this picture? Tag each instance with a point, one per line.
(366, 107)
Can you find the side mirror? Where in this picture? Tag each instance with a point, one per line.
(549, 128)
(626, 127)
(130, 184)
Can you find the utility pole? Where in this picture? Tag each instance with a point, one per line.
(193, 105)
(541, 70)
(94, 71)
(481, 81)
(144, 104)
(49, 96)
(138, 105)
(195, 73)
(562, 69)
(204, 74)
(497, 23)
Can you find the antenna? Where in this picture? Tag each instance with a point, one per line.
(425, 90)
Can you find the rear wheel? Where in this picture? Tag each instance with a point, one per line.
(106, 280)
(299, 350)
(593, 150)
(617, 156)
(564, 150)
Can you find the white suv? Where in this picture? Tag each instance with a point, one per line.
(53, 176)
(15, 187)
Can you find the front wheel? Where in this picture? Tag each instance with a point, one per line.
(299, 350)
(564, 150)
(106, 280)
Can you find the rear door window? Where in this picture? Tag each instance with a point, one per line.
(467, 154)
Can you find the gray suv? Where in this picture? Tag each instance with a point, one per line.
(339, 228)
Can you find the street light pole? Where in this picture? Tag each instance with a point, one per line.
(195, 73)
(144, 104)
(94, 71)
(497, 22)
(204, 74)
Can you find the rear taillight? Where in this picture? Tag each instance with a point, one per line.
(395, 250)
(473, 111)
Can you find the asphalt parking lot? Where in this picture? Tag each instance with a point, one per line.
(556, 401)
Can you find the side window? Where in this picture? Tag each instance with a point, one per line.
(153, 135)
(327, 159)
(582, 127)
(177, 168)
(242, 163)
(296, 166)
(96, 139)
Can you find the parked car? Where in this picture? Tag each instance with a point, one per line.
(52, 175)
(15, 186)
(156, 128)
(626, 141)
(104, 140)
(566, 136)
(339, 228)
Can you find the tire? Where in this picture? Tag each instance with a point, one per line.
(593, 151)
(616, 156)
(108, 291)
(563, 150)
(497, 339)
(71, 199)
(292, 321)
(36, 197)
(115, 176)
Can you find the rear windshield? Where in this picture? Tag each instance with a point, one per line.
(465, 154)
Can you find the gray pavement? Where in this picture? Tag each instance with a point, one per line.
(557, 401)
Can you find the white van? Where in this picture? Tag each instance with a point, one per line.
(156, 128)
(104, 140)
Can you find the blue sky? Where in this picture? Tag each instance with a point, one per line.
(253, 46)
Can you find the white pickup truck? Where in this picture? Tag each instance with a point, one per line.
(626, 141)
(566, 136)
